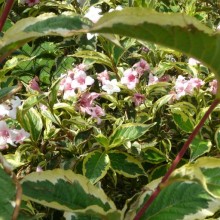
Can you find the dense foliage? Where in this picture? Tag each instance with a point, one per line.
(94, 110)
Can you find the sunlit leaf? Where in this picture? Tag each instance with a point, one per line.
(96, 165)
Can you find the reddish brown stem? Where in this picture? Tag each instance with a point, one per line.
(177, 160)
(5, 13)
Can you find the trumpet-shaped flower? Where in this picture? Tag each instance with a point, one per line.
(18, 136)
(96, 112)
(103, 76)
(75, 79)
(186, 87)
(5, 135)
(86, 101)
(213, 86)
(130, 78)
(34, 84)
(141, 67)
(111, 86)
(138, 99)
(81, 81)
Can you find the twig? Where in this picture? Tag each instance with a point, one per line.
(177, 160)
(5, 13)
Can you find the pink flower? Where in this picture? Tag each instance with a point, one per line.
(141, 67)
(152, 79)
(81, 81)
(34, 84)
(138, 99)
(32, 2)
(5, 135)
(164, 78)
(96, 112)
(43, 107)
(86, 101)
(213, 86)
(75, 79)
(173, 97)
(186, 87)
(130, 78)
(65, 86)
(103, 76)
(18, 136)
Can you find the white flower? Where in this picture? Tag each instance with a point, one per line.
(152, 79)
(10, 110)
(111, 86)
(68, 94)
(15, 102)
(193, 62)
(93, 14)
(118, 8)
(4, 110)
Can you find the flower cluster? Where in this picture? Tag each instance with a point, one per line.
(11, 136)
(75, 79)
(186, 87)
(8, 109)
(76, 84)
(131, 76)
(86, 104)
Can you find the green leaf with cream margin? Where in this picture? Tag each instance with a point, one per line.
(183, 119)
(178, 200)
(177, 31)
(199, 147)
(95, 166)
(205, 170)
(69, 192)
(128, 132)
(125, 164)
(28, 29)
(7, 195)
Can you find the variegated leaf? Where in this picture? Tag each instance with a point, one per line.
(179, 200)
(30, 28)
(95, 166)
(125, 164)
(66, 191)
(7, 195)
(128, 132)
